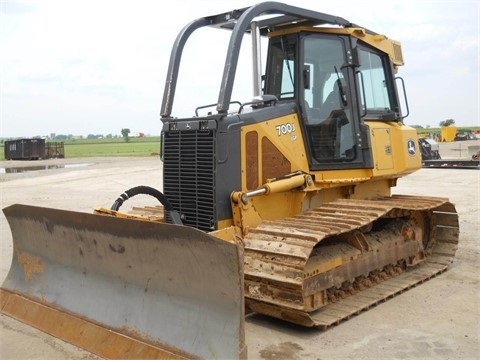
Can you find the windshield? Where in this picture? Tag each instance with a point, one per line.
(328, 112)
(317, 80)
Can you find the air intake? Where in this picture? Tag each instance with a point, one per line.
(188, 175)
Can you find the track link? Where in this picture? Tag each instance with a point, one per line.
(280, 280)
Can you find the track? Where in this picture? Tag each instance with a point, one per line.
(287, 275)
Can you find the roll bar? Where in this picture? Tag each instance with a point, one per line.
(239, 22)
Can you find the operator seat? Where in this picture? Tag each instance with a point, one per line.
(333, 100)
(326, 136)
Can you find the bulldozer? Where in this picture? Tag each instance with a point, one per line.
(279, 205)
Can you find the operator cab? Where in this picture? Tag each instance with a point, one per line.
(336, 82)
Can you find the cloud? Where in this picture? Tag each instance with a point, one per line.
(68, 66)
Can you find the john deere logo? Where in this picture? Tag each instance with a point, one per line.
(412, 151)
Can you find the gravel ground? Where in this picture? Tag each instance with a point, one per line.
(437, 320)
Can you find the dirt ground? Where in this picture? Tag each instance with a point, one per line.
(436, 320)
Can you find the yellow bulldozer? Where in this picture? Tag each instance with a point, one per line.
(279, 205)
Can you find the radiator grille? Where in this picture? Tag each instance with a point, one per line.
(188, 176)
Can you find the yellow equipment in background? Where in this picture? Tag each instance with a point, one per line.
(281, 204)
(448, 133)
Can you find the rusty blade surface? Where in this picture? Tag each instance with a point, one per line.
(172, 287)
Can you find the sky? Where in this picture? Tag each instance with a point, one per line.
(96, 67)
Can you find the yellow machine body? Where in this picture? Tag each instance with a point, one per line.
(282, 207)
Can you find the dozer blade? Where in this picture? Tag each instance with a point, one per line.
(123, 288)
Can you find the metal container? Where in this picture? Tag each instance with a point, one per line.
(24, 149)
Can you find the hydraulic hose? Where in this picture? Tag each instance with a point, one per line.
(147, 190)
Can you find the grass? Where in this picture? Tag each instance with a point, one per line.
(146, 146)
(113, 148)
